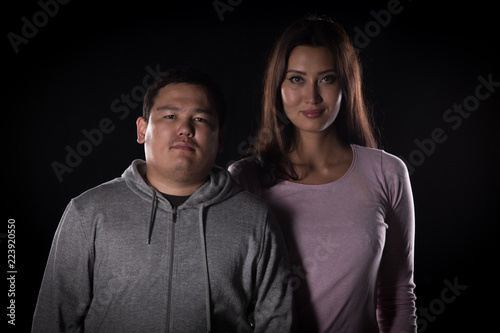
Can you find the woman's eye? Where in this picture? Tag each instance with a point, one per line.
(295, 79)
(329, 79)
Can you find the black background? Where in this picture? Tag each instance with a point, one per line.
(426, 59)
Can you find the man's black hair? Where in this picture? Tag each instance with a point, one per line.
(187, 75)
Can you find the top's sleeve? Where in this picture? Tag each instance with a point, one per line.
(274, 308)
(396, 299)
(65, 293)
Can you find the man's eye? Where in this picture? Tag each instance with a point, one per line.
(169, 116)
(199, 119)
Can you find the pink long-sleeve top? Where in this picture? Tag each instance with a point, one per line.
(350, 244)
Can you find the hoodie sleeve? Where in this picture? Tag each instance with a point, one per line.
(65, 293)
(274, 310)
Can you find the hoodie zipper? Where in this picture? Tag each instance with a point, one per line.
(171, 268)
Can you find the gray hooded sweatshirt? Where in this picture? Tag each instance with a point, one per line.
(124, 260)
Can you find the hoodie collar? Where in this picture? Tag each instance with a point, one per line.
(217, 188)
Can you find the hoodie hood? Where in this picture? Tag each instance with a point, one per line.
(217, 188)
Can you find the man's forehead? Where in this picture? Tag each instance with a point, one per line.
(182, 96)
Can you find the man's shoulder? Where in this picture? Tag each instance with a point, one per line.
(245, 197)
(103, 192)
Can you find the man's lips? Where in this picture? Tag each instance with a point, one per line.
(313, 113)
(183, 145)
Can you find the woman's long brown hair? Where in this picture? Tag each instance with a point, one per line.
(276, 137)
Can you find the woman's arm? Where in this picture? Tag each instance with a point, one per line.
(396, 300)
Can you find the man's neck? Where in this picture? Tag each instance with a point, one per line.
(171, 187)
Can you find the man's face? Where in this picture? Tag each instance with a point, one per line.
(182, 137)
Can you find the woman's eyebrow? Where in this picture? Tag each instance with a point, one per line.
(295, 71)
(327, 71)
(304, 73)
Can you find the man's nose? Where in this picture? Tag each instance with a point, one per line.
(186, 128)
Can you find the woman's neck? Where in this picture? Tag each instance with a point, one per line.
(320, 157)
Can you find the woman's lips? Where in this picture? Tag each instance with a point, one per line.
(314, 113)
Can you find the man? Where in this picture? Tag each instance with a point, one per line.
(173, 245)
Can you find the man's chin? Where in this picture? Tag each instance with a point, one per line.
(188, 171)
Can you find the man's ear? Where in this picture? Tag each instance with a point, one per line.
(222, 137)
(142, 126)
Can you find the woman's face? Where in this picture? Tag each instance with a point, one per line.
(310, 91)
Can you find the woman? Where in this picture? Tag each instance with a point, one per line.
(345, 207)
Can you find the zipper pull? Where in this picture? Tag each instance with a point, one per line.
(174, 215)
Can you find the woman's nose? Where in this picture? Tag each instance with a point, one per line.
(312, 95)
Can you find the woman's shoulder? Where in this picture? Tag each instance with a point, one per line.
(379, 160)
(385, 171)
(379, 164)
(246, 173)
(243, 166)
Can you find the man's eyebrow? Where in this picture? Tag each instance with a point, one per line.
(175, 108)
(167, 108)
